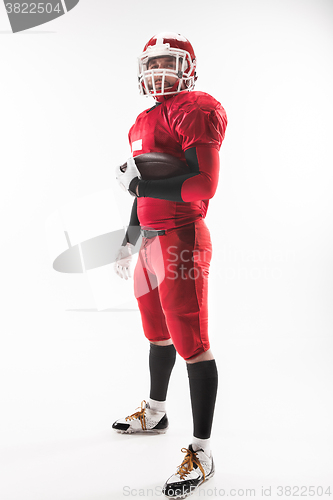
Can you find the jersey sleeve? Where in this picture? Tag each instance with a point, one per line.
(200, 121)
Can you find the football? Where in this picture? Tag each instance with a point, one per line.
(153, 166)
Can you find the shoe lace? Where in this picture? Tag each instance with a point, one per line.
(140, 415)
(187, 464)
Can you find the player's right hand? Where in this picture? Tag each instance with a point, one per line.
(122, 265)
(126, 173)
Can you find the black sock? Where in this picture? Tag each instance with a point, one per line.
(203, 388)
(161, 361)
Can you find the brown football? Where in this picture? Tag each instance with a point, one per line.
(154, 166)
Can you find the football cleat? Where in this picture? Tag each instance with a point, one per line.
(196, 468)
(142, 421)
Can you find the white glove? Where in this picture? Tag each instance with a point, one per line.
(123, 261)
(124, 178)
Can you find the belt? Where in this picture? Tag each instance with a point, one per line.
(151, 233)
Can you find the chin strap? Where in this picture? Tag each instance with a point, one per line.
(162, 98)
(168, 95)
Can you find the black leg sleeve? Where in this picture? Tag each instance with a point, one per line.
(161, 362)
(203, 389)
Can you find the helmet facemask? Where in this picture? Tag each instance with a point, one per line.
(183, 71)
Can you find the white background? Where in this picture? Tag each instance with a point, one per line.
(69, 368)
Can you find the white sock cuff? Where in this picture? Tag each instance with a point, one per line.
(203, 444)
(157, 405)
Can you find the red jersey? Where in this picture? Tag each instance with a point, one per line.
(187, 120)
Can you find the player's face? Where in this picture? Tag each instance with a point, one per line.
(162, 63)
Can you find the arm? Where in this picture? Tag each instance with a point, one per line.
(199, 184)
(133, 230)
(122, 265)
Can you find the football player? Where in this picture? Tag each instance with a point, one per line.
(170, 278)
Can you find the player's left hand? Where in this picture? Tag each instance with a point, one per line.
(124, 177)
(122, 265)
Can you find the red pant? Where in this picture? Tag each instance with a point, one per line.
(171, 287)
